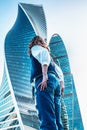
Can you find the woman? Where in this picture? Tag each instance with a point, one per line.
(47, 85)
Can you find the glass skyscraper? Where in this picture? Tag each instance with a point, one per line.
(16, 102)
(60, 56)
(15, 90)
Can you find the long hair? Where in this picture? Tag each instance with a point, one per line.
(37, 40)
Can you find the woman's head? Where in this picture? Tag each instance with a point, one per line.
(37, 40)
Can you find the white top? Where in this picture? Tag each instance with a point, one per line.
(59, 72)
(43, 56)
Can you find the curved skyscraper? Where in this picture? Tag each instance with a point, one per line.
(30, 22)
(17, 109)
(60, 56)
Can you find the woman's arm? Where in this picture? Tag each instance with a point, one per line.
(43, 56)
(61, 78)
(62, 87)
(43, 84)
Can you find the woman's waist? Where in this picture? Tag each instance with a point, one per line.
(50, 73)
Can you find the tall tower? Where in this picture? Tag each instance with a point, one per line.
(16, 106)
(60, 56)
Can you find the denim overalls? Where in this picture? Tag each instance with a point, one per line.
(47, 101)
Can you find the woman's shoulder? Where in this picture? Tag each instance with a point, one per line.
(38, 48)
(35, 47)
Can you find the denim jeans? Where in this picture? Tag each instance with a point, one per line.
(48, 104)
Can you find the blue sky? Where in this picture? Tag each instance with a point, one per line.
(68, 19)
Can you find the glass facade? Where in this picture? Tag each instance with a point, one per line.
(9, 113)
(60, 56)
(30, 22)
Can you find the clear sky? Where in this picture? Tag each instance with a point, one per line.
(68, 18)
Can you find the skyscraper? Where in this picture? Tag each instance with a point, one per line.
(16, 104)
(18, 91)
(60, 56)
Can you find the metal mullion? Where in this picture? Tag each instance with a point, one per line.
(8, 114)
(6, 103)
(10, 127)
(3, 88)
(6, 108)
(4, 93)
(9, 120)
(5, 98)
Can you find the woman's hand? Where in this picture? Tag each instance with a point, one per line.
(43, 84)
(62, 90)
(62, 87)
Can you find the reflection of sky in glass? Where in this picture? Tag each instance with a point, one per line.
(68, 18)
